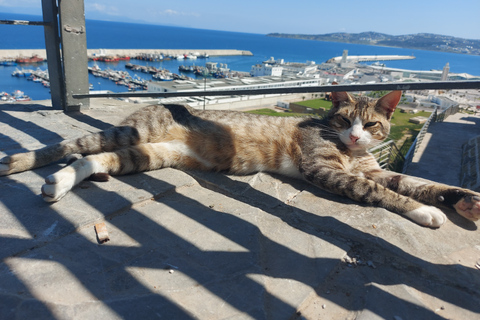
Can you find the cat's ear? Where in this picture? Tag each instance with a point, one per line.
(338, 97)
(388, 103)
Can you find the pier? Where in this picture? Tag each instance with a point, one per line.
(366, 58)
(14, 53)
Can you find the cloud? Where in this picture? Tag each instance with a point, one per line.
(170, 12)
(101, 8)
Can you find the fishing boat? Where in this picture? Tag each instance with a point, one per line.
(20, 96)
(33, 59)
(17, 73)
(8, 63)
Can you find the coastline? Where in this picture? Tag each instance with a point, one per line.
(390, 41)
(14, 53)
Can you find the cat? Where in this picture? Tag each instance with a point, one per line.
(330, 153)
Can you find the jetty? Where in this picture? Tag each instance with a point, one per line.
(365, 58)
(13, 53)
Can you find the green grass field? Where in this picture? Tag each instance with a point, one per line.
(316, 104)
(401, 126)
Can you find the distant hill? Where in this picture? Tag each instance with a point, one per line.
(422, 41)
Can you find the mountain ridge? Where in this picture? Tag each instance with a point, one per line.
(421, 41)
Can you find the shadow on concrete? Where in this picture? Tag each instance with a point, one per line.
(109, 280)
(10, 145)
(440, 153)
(103, 270)
(82, 117)
(475, 120)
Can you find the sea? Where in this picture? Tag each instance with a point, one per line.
(119, 35)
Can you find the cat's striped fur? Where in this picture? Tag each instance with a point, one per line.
(330, 153)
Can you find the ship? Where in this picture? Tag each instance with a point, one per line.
(33, 59)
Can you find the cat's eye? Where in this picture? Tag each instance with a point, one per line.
(369, 124)
(346, 120)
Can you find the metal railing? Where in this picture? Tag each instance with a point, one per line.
(388, 156)
(65, 41)
(65, 36)
(402, 86)
(440, 117)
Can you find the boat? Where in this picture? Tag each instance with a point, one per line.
(163, 76)
(8, 63)
(183, 68)
(33, 59)
(20, 96)
(17, 73)
(23, 98)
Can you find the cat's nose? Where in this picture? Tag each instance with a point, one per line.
(354, 138)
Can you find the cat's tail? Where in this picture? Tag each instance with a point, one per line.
(108, 140)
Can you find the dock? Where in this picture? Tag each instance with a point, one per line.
(365, 58)
(13, 53)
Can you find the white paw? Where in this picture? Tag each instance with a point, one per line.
(57, 185)
(427, 216)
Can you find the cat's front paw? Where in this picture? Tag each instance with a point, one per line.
(469, 207)
(57, 185)
(427, 216)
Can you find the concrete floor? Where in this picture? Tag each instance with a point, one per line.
(211, 246)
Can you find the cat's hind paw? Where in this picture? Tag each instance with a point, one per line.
(57, 186)
(469, 207)
(17, 163)
(5, 166)
(427, 216)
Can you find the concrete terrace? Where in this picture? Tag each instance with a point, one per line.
(210, 246)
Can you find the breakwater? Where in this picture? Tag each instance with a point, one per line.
(14, 53)
(366, 58)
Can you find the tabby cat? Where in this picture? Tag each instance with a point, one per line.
(331, 153)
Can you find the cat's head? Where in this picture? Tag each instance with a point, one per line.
(360, 121)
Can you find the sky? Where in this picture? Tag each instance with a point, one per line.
(459, 18)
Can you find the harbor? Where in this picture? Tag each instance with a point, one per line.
(6, 54)
(121, 70)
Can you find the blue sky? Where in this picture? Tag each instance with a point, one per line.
(459, 18)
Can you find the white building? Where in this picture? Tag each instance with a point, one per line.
(231, 84)
(265, 69)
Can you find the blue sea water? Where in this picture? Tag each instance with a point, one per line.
(118, 35)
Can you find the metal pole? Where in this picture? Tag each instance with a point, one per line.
(54, 59)
(74, 52)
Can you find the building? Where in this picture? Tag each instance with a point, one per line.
(445, 71)
(265, 69)
(279, 67)
(231, 84)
